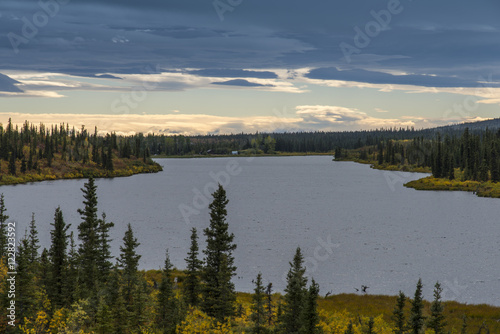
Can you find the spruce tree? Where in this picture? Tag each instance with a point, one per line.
(33, 242)
(218, 290)
(437, 319)
(104, 264)
(258, 316)
(3, 228)
(129, 262)
(104, 319)
(269, 304)
(120, 316)
(168, 306)
(58, 260)
(109, 159)
(295, 294)
(416, 321)
(142, 305)
(89, 247)
(26, 288)
(70, 287)
(310, 316)
(494, 165)
(12, 163)
(191, 285)
(398, 314)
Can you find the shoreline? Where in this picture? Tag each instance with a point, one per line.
(196, 156)
(479, 188)
(48, 174)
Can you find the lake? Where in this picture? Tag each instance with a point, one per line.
(356, 226)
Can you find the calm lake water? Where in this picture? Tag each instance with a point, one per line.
(356, 226)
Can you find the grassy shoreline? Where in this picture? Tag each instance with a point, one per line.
(341, 308)
(481, 189)
(69, 170)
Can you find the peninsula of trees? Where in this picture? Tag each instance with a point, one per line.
(36, 153)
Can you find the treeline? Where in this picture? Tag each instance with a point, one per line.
(467, 156)
(295, 142)
(269, 143)
(76, 288)
(31, 148)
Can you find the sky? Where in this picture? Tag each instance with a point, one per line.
(232, 66)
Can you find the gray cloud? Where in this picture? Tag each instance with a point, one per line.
(241, 83)
(455, 41)
(232, 73)
(374, 77)
(8, 85)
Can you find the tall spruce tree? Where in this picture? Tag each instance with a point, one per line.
(310, 316)
(120, 316)
(129, 262)
(26, 287)
(398, 314)
(71, 284)
(258, 316)
(218, 290)
(104, 256)
(168, 305)
(3, 228)
(89, 247)
(33, 242)
(437, 318)
(58, 260)
(417, 319)
(191, 285)
(295, 294)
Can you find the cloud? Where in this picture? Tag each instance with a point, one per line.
(240, 82)
(378, 77)
(232, 73)
(306, 118)
(8, 84)
(380, 110)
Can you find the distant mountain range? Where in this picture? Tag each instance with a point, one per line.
(491, 124)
